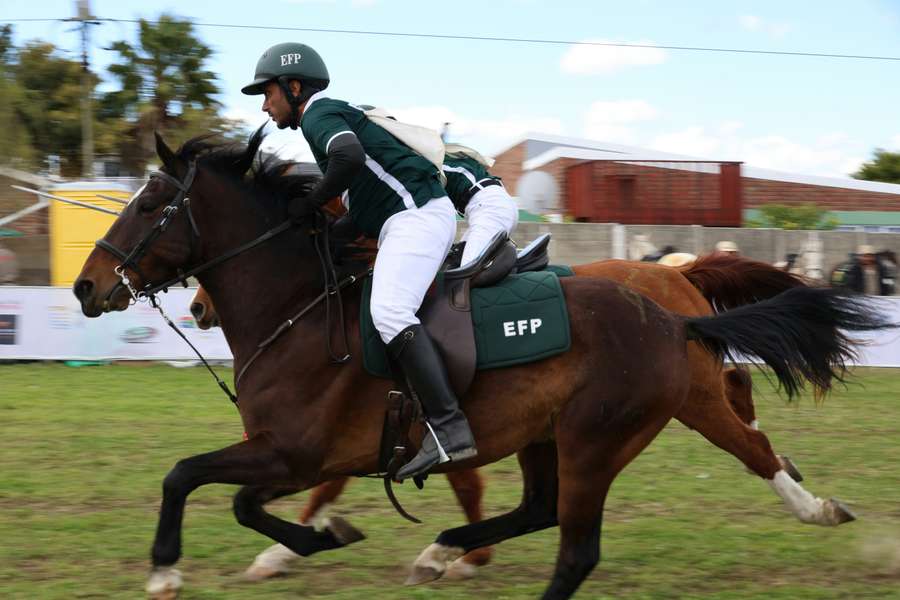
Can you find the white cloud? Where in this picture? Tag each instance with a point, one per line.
(611, 121)
(832, 154)
(750, 22)
(772, 28)
(581, 59)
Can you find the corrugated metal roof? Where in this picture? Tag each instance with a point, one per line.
(552, 147)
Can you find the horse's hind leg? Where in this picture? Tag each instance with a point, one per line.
(592, 451)
(276, 559)
(468, 486)
(739, 391)
(708, 412)
(537, 511)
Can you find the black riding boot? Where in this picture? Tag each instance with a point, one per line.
(424, 370)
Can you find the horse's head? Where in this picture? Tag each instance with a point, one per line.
(203, 310)
(157, 236)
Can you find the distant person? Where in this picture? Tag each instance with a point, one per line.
(867, 274)
(726, 247)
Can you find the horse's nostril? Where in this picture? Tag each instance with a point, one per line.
(197, 310)
(82, 288)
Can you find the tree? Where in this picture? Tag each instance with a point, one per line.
(16, 148)
(50, 107)
(885, 166)
(798, 216)
(164, 86)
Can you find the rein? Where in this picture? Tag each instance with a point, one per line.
(130, 261)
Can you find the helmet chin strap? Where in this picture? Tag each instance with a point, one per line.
(296, 102)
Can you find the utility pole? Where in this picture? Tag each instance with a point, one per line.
(87, 119)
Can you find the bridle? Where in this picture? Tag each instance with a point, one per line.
(130, 260)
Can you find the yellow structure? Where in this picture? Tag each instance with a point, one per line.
(74, 229)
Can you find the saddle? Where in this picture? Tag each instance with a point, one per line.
(446, 311)
(447, 315)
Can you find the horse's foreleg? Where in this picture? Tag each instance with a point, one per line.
(300, 539)
(253, 462)
(468, 486)
(537, 511)
(276, 559)
(710, 414)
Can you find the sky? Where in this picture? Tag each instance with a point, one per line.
(807, 115)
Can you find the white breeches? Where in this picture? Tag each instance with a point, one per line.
(489, 212)
(412, 246)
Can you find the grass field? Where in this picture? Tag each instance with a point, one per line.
(83, 453)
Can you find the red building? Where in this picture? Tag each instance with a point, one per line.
(602, 182)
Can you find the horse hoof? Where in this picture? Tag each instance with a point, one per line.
(839, 512)
(271, 562)
(344, 532)
(432, 563)
(164, 583)
(790, 468)
(460, 569)
(422, 575)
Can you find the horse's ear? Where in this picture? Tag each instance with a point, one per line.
(165, 153)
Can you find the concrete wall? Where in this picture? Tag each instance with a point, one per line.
(575, 243)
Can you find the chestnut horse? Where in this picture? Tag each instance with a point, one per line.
(719, 407)
(575, 420)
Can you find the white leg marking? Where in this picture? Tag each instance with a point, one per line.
(754, 424)
(164, 580)
(804, 505)
(273, 560)
(436, 557)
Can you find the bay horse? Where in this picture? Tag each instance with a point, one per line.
(575, 420)
(719, 405)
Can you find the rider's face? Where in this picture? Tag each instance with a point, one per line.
(276, 105)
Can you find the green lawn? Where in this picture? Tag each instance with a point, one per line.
(83, 453)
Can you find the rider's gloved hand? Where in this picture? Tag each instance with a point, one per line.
(301, 209)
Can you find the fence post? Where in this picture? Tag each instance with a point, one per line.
(698, 240)
(619, 241)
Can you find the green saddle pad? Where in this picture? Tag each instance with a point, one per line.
(522, 319)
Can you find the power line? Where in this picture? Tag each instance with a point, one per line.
(509, 39)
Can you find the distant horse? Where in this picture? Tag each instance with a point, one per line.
(719, 406)
(575, 419)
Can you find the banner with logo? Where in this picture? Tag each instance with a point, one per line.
(47, 323)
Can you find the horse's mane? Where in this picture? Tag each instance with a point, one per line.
(271, 181)
(728, 281)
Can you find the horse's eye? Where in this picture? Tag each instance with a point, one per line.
(146, 208)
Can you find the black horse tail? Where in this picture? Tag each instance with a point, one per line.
(801, 334)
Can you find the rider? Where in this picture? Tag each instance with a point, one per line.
(394, 195)
(480, 197)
